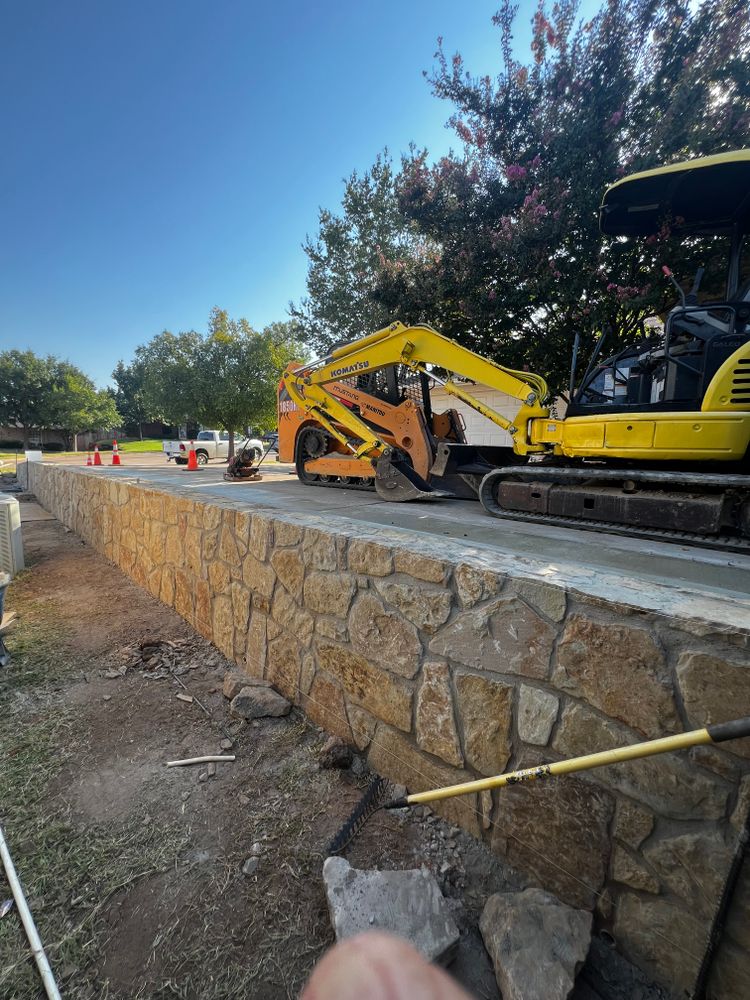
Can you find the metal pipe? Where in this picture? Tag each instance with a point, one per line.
(27, 920)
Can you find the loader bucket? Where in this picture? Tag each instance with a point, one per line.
(395, 480)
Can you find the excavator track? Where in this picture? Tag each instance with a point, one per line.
(545, 476)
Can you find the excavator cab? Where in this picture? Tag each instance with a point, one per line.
(705, 202)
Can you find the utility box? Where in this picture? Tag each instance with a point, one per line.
(11, 541)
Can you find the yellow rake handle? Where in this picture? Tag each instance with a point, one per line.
(711, 734)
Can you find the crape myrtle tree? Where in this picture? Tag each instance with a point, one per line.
(226, 378)
(511, 262)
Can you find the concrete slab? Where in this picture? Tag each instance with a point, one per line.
(659, 576)
(407, 903)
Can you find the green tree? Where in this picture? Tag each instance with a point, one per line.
(76, 405)
(128, 396)
(225, 379)
(348, 255)
(26, 382)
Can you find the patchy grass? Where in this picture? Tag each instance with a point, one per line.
(69, 873)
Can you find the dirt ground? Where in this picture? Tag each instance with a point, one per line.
(134, 871)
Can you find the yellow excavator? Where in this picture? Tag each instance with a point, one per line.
(656, 438)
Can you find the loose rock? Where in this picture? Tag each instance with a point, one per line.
(537, 944)
(335, 754)
(235, 681)
(250, 866)
(406, 903)
(254, 702)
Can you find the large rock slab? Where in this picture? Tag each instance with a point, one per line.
(558, 830)
(436, 724)
(255, 702)
(715, 690)
(384, 636)
(537, 944)
(406, 903)
(485, 707)
(504, 636)
(620, 670)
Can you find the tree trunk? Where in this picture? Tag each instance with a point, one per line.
(140, 430)
(75, 440)
(230, 449)
(26, 438)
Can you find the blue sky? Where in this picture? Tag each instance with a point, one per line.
(162, 157)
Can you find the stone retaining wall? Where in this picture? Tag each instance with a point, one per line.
(443, 668)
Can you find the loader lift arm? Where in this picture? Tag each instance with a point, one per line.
(414, 347)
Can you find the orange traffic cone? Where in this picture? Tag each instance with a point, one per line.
(97, 456)
(88, 457)
(192, 459)
(115, 454)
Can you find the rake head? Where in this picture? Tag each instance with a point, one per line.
(375, 797)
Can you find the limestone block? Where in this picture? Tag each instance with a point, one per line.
(260, 537)
(485, 709)
(183, 594)
(666, 784)
(331, 628)
(259, 576)
(473, 585)
(436, 725)
(408, 904)
(166, 595)
(319, 549)
(219, 578)
(558, 831)
(537, 944)
(285, 533)
(486, 805)
(203, 615)
(386, 697)
(242, 523)
(504, 636)
(363, 725)
(325, 706)
(632, 823)
(193, 558)
(715, 689)
(620, 670)
(427, 608)
(283, 665)
(293, 618)
(537, 714)
(223, 625)
(240, 606)
(228, 550)
(395, 756)
(157, 542)
(545, 597)
(290, 569)
(211, 516)
(665, 940)
(307, 673)
(384, 636)
(369, 558)
(329, 593)
(420, 567)
(255, 647)
(629, 871)
(210, 545)
(693, 865)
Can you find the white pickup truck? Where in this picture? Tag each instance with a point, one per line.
(209, 444)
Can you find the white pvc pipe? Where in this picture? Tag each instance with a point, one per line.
(210, 759)
(27, 920)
